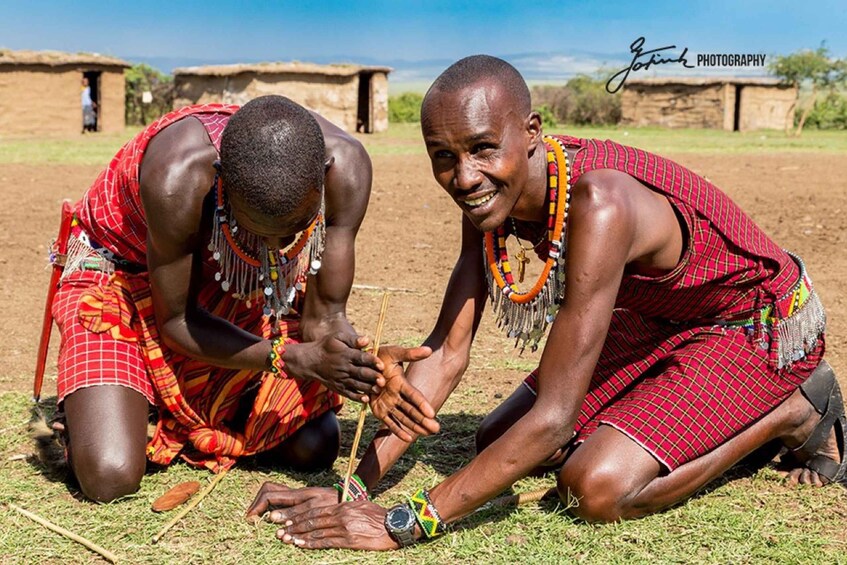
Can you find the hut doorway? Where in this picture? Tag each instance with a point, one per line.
(364, 113)
(92, 78)
(736, 119)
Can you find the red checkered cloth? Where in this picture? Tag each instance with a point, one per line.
(668, 377)
(109, 334)
(110, 211)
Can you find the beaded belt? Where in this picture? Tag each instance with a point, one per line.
(86, 254)
(784, 307)
(797, 319)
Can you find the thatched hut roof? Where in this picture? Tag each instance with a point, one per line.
(58, 59)
(294, 67)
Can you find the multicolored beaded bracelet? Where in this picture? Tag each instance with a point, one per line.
(356, 491)
(427, 516)
(275, 356)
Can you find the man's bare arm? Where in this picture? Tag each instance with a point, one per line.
(437, 376)
(176, 176)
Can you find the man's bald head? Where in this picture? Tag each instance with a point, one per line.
(483, 68)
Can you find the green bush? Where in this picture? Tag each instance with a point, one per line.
(405, 107)
(548, 118)
(141, 78)
(829, 113)
(582, 101)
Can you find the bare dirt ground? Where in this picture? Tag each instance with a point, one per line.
(410, 239)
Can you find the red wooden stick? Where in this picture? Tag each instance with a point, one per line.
(47, 324)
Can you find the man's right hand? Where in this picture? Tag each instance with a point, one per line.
(338, 362)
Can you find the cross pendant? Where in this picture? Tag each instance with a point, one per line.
(523, 261)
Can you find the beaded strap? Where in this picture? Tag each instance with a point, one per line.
(427, 516)
(357, 490)
(275, 357)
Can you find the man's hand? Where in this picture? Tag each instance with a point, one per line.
(352, 525)
(400, 406)
(337, 361)
(312, 518)
(283, 502)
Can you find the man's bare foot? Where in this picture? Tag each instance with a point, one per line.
(802, 420)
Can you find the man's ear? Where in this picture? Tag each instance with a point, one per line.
(329, 163)
(533, 129)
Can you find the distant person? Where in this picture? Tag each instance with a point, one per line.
(679, 337)
(89, 108)
(207, 275)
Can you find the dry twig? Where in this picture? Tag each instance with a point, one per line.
(105, 553)
(522, 498)
(194, 502)
(364, 411)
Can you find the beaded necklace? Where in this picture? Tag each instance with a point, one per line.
(275, 274)
(526, 315)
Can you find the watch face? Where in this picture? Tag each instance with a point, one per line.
(400, 518)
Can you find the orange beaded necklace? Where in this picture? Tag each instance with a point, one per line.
(277, 274)
(526, 315)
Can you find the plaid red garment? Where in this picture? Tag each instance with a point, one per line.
(109, 333)
(198, 403)
(111, 211)
(667, 377)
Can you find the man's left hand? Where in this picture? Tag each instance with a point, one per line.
(351, 525)
(400, 406)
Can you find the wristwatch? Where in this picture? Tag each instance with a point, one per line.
(400, 523)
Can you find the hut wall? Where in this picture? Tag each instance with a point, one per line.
(334, 97)
(729, 91)
(767, 107)
(675, 106)
(379, 101)
(42, 100)
(38, 100)
(112, 101)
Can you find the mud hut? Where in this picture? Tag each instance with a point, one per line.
(351, 96)
(732, 104)
(40, 91)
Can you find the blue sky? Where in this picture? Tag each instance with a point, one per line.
(418, 37)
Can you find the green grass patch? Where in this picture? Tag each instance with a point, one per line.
(744, 520)
(405, 139)
(89, 149)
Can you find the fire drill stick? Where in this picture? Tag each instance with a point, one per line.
(364, 411)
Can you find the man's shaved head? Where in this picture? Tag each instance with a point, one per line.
(477, 68)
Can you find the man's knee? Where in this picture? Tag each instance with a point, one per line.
(104, 477)
(503, 417)
(595, 494)
(313, 447)
(489, 430)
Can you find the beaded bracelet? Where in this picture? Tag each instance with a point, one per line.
(356, 491)
(275, 356)
(427, 516)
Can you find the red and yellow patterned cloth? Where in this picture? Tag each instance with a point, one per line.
(109, 334)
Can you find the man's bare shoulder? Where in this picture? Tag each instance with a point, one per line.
(603, 195)
(178, 162)
(176, 174)
(348, 177)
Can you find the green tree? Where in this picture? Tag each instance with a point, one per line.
(815, 68)
(405, 107)
(143, 78)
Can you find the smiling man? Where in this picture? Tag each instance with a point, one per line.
(680, 338)
(207, 274)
